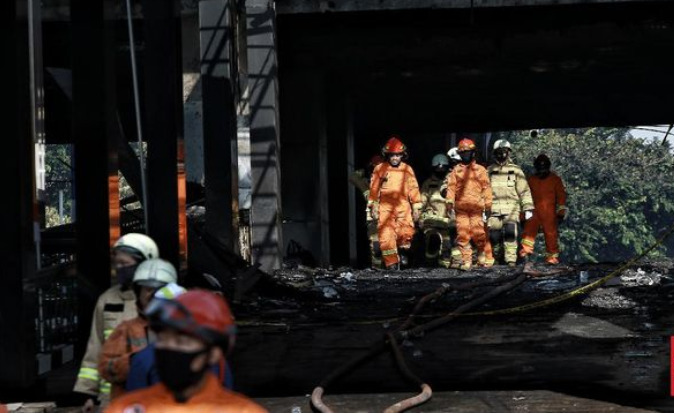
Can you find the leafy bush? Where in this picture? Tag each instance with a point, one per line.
(620, 189)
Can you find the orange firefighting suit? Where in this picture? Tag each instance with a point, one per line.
(550, 201)
(392, 190)
(212, 398)
(127, 339)
(469, 191)
(361, 181)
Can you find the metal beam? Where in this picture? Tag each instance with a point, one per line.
(164, 126)
(267, 244)
(218, 76)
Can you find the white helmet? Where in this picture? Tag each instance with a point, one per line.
(502, 143)
(454, 154)
(439, 160)
(155, 273)
(138, 245)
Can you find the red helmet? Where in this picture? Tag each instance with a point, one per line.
(199, 313)
(466, 144)
(376, 160)
(394, 146)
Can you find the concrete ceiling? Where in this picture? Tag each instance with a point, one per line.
(493, 68)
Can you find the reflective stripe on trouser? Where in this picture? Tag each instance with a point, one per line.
(469, 226)
(549, 224)
(396, 229)
(510, 253)
(92, 376)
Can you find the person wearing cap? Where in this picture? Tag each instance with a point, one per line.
(154, 277)
(194, 331)
(115, 305)
(361, 180)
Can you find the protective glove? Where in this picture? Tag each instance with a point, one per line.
(528, 215)
(561, 216)
(374, 211)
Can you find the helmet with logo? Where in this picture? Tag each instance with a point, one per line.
(466, 144)
(394, 146)
(199, 313)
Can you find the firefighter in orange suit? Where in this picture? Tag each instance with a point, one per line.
(193, 331)
(395, 202)
(469, 195)
(549, 197)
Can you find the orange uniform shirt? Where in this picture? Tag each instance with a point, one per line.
(469, 189)
(212, 398)
(394, 187)
(548, 193)
(128, 338)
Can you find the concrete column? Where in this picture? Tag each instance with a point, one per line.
(18, 254)
(219, 120)
(267, 245)
(163, 126)
(94, 134)
(353, 192)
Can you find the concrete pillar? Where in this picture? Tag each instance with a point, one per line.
(266, 214)
(219, 120)
(163, 126)
(18, 254)
(94, 134)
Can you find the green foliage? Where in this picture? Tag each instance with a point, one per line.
(58, 178)
(620, 189)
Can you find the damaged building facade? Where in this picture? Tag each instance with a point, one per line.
(255, 112)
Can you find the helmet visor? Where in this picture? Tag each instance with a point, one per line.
(167, 313)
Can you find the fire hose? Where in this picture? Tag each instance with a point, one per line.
(403, 332)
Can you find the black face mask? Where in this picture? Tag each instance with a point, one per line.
(466, 157)
(174, 369)
(440, 172)
(542, 169)
(125, 275)
(501, 156)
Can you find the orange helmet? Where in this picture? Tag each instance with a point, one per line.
(376, 160)
(394, 146)
(199, 313)
(466, 144)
